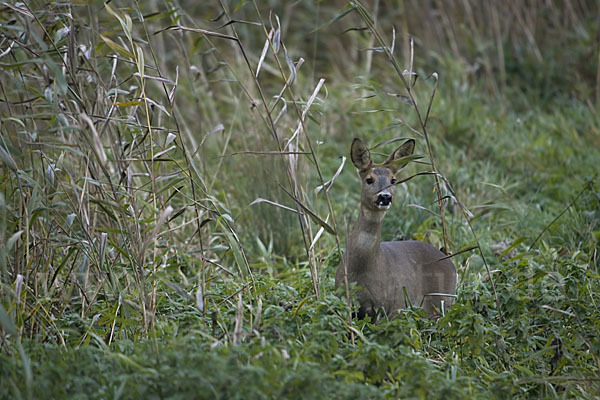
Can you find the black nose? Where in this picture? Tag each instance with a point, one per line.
(384, 199)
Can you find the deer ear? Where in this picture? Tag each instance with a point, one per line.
(361, 158)
(394, 161)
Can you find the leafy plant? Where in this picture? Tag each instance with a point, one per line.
(173, 198)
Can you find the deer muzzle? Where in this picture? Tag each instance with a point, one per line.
(384, 200)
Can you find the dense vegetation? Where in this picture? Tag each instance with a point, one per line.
(165, 231)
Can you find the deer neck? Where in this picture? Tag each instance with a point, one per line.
(365, 239)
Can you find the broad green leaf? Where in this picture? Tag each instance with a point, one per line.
(117, 47)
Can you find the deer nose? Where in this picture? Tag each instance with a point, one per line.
(384, 199)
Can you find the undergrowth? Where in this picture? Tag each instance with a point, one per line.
(174, 198)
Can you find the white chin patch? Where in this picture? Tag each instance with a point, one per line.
(382, 207)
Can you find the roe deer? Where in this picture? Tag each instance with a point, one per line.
(392, 275)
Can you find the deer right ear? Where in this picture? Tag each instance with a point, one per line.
(361, 158)
(393, 162)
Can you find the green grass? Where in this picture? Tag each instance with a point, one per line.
(133, 265)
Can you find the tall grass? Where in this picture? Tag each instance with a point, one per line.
(112, 177)
(171, 170)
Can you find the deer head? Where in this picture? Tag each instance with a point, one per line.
(378, 180)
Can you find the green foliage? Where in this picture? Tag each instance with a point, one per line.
(301, 348)
(133, 266)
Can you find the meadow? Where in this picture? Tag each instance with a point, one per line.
(176, 191)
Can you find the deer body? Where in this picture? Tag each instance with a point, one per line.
(391, 275)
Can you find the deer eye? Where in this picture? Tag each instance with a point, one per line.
(369, 180)
(393, 181)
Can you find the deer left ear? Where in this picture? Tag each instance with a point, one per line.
(361, 158)
(394, 161)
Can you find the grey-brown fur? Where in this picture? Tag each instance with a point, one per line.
(385, 270)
